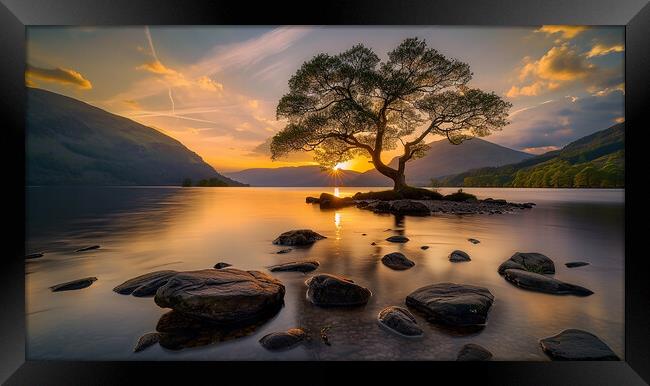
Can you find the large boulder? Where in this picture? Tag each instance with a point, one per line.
(400, 321)
(222, 296)
(331, 290)
(298, 237)
(409, 207)
(397, 261)
(458, 305)
(458, 256)
(146, 340)
(577, 345)
(473, 352)
(283, 340)
(298, 266)
(528, 261)
(542, 283)
(145, 285)
(330, 201)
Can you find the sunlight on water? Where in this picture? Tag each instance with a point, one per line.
(146, 229)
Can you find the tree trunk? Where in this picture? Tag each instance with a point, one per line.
(399, 182)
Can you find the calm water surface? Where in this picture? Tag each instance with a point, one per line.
(146, 229)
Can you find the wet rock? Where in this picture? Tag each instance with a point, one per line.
(332, 290)
(542, 283)
(408, 207)
(299, 266)
(459, 305)
(283, 251)
(373, 243)
(145, 285)
(397, 261)
(90, 248)
(298, 237)
(528, 261)
(495, 201)
(577, 345)
(312, 200)
(575, 264)
(74, 284)
(424, 247)
(34, 255)
(283, 340)
(473, 241)
(221, 295)
(376, 206)
(400, 321)
(222, 265)
(398, 239)
(147, 340)
(330, 201)
(473, 352)
(458, 256)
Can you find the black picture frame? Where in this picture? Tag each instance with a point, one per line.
(15, 15)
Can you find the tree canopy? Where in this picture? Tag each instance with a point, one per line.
(353, 104)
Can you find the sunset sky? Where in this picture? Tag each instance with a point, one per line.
(216, 88)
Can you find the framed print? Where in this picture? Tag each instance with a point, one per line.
(381, 188)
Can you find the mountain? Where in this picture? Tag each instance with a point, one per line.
(73, 143)
(444, 158)
(594, 161)
(294, 176)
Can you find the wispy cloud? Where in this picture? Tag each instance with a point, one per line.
(59, 75)
(600, 49)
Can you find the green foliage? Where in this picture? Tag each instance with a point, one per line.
(211, 182)
(460, 196)
(405, 193)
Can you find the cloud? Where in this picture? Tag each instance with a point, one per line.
(156, 67)
(59, 75)
(565, 31)
(540, 149)
(603, 49)
(264, 149)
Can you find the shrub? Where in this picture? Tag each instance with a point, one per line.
(460, 196)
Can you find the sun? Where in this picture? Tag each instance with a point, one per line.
(338, 166)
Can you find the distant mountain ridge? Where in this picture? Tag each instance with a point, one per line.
(294, 176)
(444, 158)
(593, 161)
(70, 142)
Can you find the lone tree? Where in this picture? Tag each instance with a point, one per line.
(353, 104)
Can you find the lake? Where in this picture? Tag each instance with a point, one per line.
(143, 229)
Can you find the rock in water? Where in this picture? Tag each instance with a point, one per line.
(283, 340)
(330, 290)
(397, 261)
(575, 264)
(330, 201)
(424, 247)
(458, 305)
(222, 295)
(222, 265)
(408, 207)
(146, 340)
(458, 256)
(74, 284)
(530, 261)
(90, 248)
(577, 345)
(473, 352)
(144, 285)
(298, 266)
(283, 251)
(542, 283)
(398, 239)
(34, 255)
(473, 241)
(312, 200)
(298, 237)
(400, 321)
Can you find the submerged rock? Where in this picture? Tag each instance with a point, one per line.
(222, 296)
(398, 239)
(146, 340)
(222, 265)
(575, 264)
(299, 266)
(458, 256)
(332, 290)
(283, 251)
(473, 352)
(473, 241)
(74, 284)
(397, 261)
(408, 207)
(145, 285)
(542, 283)
(400, 321)
(298, 237)
(577, 345)
(90, 248)
(330, 201)
(459, 305)
(283, 340)
(424, 247)
(528, 261)
(34, 255)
